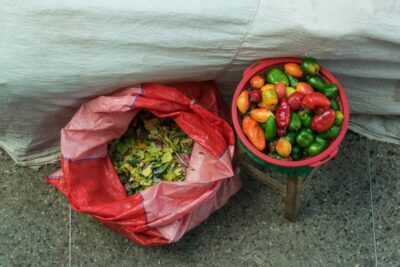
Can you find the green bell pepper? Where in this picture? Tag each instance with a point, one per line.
(275, 75)
(339, 118)
(295, 123)
(317, 146)
(331, 133)
(305, 118)
(328, 89)
(292, 80)
(305, 137)
(334, 104)
(309, 66)
(270, 128)
(296, 152)
(291, 137)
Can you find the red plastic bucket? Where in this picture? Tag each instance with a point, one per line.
(261, 67)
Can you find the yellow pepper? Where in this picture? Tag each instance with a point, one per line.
(269, 97)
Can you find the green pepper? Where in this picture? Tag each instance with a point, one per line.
(296, 152)
(295, 123)
(309, 66)
(305, 137)
(276, 156)
(291, 137)
(275, 75)
(317, 146)
(305, 118)
(270, 128)
(339, 118)
(331, 133)
(292, 80)
(328, 89)
(334, 104)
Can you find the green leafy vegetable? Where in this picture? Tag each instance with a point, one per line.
(152, 150)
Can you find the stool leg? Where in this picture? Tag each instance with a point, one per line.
(293, 192)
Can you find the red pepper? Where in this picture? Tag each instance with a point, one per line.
(280, 89)
(280, 132)
(282, 114)
(323, 121)
(295, 100)
(255, 96)
(314, 100)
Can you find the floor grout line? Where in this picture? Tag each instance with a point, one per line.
(70, 237)
(372, 205)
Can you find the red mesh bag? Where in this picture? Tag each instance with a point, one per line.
(162, 213)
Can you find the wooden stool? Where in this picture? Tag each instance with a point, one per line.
(291, 191)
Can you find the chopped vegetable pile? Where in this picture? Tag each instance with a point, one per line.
(291, 113)
(152, 150)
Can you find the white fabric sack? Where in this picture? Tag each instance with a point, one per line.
(55, 55)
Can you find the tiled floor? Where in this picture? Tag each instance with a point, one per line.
(350, 216)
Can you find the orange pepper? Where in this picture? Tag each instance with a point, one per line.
(254, 132)
(261, 114)
(257, 82)
(284, 147)
(293, 69)
(243, 102)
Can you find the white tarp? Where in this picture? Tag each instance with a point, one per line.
(54, 55)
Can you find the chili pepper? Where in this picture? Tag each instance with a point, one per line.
(283, 114)
(323, 121)
(310, 66)
(295, 100)
(291, 137)
(295, 123)
(328, 89)
(280, 89)
(317, 146)
(243, 102)
(339, 118)
(283, 147)
(254, 132)
(280, 132)
(293, 69)
(292, 80)
(275, 75)
(255, 96)
(267, 86)
(314, 100)
(257, 82)
(296, 152)
(331, 133)
(270, 128)
(261, 114)
(269, 97)
(304, 88)
(289, 91)
(305, 137)
(305, 118)
(334, 104)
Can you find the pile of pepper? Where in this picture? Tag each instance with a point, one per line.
(292, 113)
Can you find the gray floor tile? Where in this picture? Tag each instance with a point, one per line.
(34, 218)
(334, 227)
(385, 174)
